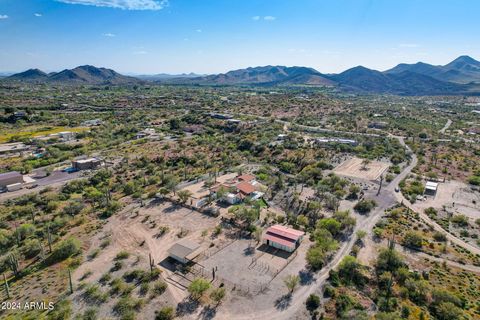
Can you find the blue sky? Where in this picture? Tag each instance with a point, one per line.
(210, 36)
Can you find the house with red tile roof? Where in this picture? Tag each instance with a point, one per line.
(282, 237)
(245, 188)
(246, 178)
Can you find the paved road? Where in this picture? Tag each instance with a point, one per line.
(55, 179)
(310, 128)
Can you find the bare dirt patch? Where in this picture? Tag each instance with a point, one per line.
(357, 168)
(138, 231)
(457, 197)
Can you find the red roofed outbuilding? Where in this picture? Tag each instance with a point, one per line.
(284, 238)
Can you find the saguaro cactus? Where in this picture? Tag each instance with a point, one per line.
(7, 290)
(13, 264)
(70, 281)
(49, 238)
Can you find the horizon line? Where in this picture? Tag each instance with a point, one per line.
(133, 74)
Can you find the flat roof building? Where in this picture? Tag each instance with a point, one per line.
(14, 147)
(9, 178)
(86, 164)
(284, 238)
(184, 251)
(431, 188)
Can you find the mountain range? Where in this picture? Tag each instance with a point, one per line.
(88, 75)
(461, 76)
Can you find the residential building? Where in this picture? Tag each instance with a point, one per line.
(10, 178)
(93, 122)
(378, 125)
(86, 164)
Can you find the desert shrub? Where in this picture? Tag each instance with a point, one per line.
(144, 288)
(460, 219)
(62, 310)
(125, 306)
(64, 250)
(166, 313)
(364, 206)
(313, 302)
(413, 240)
(31, 248)
(90, 314)
(198, 287)
(159, 287)
(122, 255)
(439, 236)
(93, 294)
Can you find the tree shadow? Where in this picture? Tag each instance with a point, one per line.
(283, 302)
(307, 277)
(248, 251)
(208, 313)
(172, 208)
(187, 306)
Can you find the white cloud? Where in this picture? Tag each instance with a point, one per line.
(122, 4)
(37, 14)
(140, 52)
(3, 16)
(266, 18)
(108, 34)
(199, 30)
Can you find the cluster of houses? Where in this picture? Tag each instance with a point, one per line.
(14, 149)
(63, 136)
(239, 188)
(229, 188)
(148, 133)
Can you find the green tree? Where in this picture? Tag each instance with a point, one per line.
(183, 195)
(350, 271)
(65, 249)
(313, 302)
(291, 282)
(198, 287)
(388, 260)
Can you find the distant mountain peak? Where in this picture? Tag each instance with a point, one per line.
(264, 75)
(466, 59)
(85, 74)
